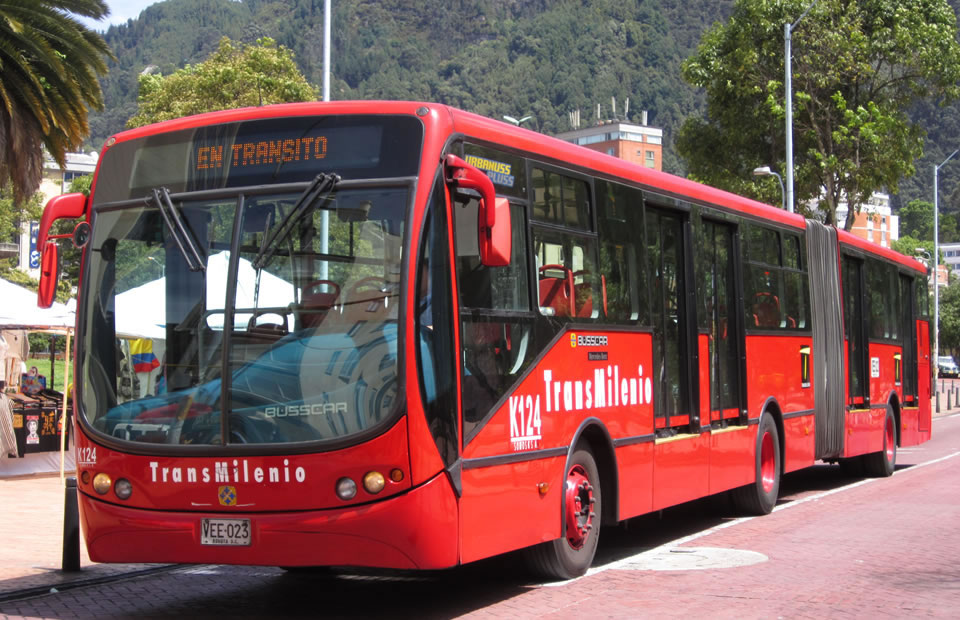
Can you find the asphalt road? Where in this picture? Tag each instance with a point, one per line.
(834, 547)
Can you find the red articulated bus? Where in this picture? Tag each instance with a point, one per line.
(394, 334)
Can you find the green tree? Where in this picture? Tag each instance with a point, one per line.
(14, 213)
(908, 246)
(950, 317)
(858, 66)
(916, 220)
(49, 63)
(233, 77)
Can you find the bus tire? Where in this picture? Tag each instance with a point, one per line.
(571, 555)
(759, 497)
(881, 464)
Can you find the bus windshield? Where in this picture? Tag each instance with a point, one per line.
(275, 336)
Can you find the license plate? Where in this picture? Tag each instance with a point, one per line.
(225, 532)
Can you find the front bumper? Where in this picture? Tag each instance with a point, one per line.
(417, 529)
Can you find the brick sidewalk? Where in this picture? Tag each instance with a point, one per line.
(32, 509)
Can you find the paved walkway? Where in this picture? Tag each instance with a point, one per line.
(32, 511)
(31, 556)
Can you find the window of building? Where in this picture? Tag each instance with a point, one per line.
(650, 159)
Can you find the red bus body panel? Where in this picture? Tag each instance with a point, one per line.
(514, 465)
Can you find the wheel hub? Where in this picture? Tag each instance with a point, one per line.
(768, 463)
(578, 506)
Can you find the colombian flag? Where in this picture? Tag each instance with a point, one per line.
(143, 358)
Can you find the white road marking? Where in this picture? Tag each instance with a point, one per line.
(666, 547)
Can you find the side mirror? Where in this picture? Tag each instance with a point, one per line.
(495, 245)
(493, 214)
(69, 206)
(49, 275)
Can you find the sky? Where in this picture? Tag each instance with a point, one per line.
(120, 12)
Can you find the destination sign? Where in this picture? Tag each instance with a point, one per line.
(263, 152)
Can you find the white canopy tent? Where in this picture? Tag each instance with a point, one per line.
(19, 311)
(141, 311)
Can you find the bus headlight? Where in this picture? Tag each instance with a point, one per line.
(123, 488)
(373, 482)
(102, 483)
(346, 488)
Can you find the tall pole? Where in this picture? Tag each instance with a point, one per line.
(936, 279)
(788, 96)
(936, 262)
(325, 213)
(326, 50)
(788, 88)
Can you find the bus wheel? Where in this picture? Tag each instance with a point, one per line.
(571, 555)
(881, 464)
(760, 497)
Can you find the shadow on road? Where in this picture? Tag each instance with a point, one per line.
(245, 592)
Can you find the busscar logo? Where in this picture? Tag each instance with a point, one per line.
(581, 340)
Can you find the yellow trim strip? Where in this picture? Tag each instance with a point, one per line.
(729, 429)
(661, 440)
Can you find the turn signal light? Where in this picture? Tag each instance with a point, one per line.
(374, 482)
(102, 483)
(85, 477)
(396, 475)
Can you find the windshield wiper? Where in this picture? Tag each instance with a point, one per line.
(319, 188)
(179, 232)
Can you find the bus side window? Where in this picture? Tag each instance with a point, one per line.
(620, 222)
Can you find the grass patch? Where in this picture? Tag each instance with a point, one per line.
(43, 366)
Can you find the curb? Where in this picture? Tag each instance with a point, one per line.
(35, 591)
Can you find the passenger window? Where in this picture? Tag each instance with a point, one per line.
(566, 275)
(499, 288)
(620, 222)
(560, 199)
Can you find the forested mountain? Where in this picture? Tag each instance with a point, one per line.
(543, 58)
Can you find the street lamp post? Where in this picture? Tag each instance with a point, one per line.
(936, 264)
(765, 171)
(516, 121)
(788, 96)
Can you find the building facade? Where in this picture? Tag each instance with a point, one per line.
(875, 222)
(54, 182)
(638, 144)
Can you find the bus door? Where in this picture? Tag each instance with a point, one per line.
(681, 470)
(855, 323)
(673, 401)
(906, 370)
(720, 320)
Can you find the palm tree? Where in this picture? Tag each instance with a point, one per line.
(49, 63)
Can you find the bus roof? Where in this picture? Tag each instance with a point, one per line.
(518, 138)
